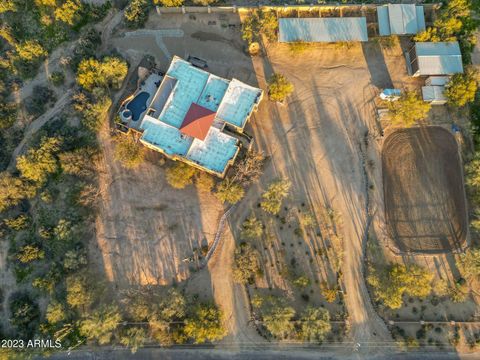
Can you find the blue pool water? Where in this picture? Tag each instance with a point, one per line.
(138, 105)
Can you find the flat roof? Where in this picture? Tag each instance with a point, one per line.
(439, 58)
(165, 137)
(400, 19)
(238, 103)
(323, 29)
(215, 151)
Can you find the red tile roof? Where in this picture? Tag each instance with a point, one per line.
(197, 121)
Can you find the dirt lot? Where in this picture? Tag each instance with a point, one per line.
(423, 188)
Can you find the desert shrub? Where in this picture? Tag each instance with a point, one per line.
(86, 47)
(57, 78)
(252, 228)
(108, 73)
(29, 253)
(13, 190)
(314, 324)
(246, 263)
(134, 338)
(56, 312)
(37, 164)
(18, 223)
(136, 13)
(25, 314)
(469, 263)
(41, 97)
(131, 154)
(229, 191)
(69, 11)
(409, 109)
(204, 182)
(249, 169)
(205, 324)
(101, 324)
(276, 192)
(179, 175)
(301, 281)
(79, 291)
(329, 293)
(277, 319)
(78, 162)
(279, 87)
(391, 282)
(169, 3)
(8, 114)
(94, 110)
(298, 47)
(458, 293)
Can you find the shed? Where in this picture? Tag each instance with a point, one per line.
(434, 58)
(323, 29)
(400, 19)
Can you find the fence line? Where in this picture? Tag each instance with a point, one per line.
(245, 8)
(218, 235)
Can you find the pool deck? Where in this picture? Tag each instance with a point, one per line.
(149, 86)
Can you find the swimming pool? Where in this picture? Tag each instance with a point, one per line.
(138, 105)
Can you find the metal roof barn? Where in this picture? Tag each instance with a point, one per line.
(435, 58)
(323, 29)
(400, 19)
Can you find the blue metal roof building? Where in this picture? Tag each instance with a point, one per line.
(400, 19)
(435, 58)
(323, 29)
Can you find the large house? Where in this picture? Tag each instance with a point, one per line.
(192, 115)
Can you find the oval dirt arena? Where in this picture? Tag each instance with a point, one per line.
(423, 188)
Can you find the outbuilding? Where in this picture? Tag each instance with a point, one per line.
(434, 58)
(322, 29)
(400, 19)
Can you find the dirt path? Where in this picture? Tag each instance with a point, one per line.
(37, 124)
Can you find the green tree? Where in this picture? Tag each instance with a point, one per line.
(277, 319)
(136, 13)
(13, 190)
(205, 324)
(245, 264)
(79, 293)
(276, 192)
(461, 88)
(179, 175)
(93, 111)
(108, 73)
(315, 324)
(25, 315)
(101, 324)
(30, 51)
(69, 11)
(56, 313)
(78, 162)
(134, 338)
(38, 163)
(252, 228)
(173, 306)
(130, 153)
(229, 191)
(29, 253)
(409, 109)
(394, 280)
(279, 87)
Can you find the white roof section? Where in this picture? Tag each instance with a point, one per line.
(434, 93)
(400, 19)
(238, 102)
(438, 58)
(323, 29)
